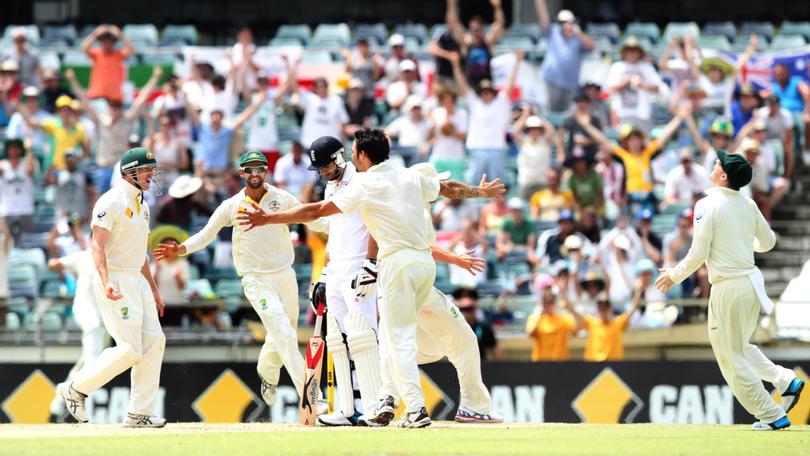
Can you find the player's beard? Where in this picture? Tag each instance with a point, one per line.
(254, 184)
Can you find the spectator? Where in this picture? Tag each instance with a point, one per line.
(650, 241)
(17, 170)
(243, 68)
(634, 84)
(584, 183)
(533, 136)
(549, 329)
(66, 237)
(795, 95)
(449, 214)
(19, 129)
(718, 78)
(676, 246)
(108, 74)
(183, 200)
(636, 155)
(591, 288)
(476, 44)
(172, 276)
(550, 244)
(198, 90)
(652, 312)
(292, 170)
(324, 114)
(10, 84)
(599, 109)
(758, 188)
(743, 108)
(589, 226)
(489, 114)
(546, 205)
(52, 89)
(359, 108)
(604, 341)
(172, 104)
(577, 136)
(619, 254)
(566, 48)
(410, 132)
(363, 66)
(408, 84)
(211, 156)
(467, 302)
(493, 214)
(778, 185)
(224, 96)
(75, 188)
(685, 180)
(720, 134)
(399, 55)
(471, 243)
(64, 131)
(262, 128)
(29, 62)
(518, 236)
(114, 127)
(448, 135)
(5, 248)
(613, 182)
(170, 151)
(779, 126)
(682, 67)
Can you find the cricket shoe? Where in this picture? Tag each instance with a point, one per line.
(781, 423)
(339, 419)
(74, 401)
(791, 395)
(269, 393)
(468, 416)
(143, 421)
(417, 419)
(323, 407)
(383, 413)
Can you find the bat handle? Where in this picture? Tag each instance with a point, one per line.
(321, 308)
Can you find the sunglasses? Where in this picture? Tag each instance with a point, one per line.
(467, 309)
(254, 170)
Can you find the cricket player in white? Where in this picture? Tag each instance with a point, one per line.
(263, 258)
(126, 294)
(729, 228)
(85, 313)
(391, 202)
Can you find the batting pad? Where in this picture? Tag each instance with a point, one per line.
(340, 358)
(365, 352)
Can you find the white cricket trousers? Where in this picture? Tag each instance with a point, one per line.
(133, 323)
(274, 297)
(405, 280)
(443, 331)
(733, 315)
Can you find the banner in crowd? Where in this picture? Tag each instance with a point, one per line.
(628, 392)
(759, 69)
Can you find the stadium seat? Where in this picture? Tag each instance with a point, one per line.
(315, 56)
(416, 31)
(33, 241)
(285, 41)
(301, 32)
(782, 42)
(52, 289)
(31, 33)
(437, 28)
(59, 32)
(229, 288)
(76, 59)
(326, 45)
(49, 60)
(514, 43)
(760, 28)
(608, 29)
(795, 28)
(158, 59)
(680, 29)
(532, 31)
(376, 31)
(726, 29)
(185, 33)
(331, 33)
(716, 42)
(22, 282)
(141, 34)
(648, 30)
(28, 257)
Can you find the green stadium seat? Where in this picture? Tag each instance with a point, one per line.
(285, 41)
(52, 289)
(680, 29)
(373, 32)
(331, 33)
(146, 34)
(717, 42)
(59, 32)
(647, 30)
(609, 30)
(185, 33)
(783, 42)
(22, 281)
(457, 168)
(28, 257)
(301, 32)
(532, 31)
(726, 29)
(763, 29)
(796, 28)
(416, 31)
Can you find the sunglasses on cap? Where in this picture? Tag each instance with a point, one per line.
(254, 169)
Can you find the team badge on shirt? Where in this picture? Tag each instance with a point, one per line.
(275, 205)
(125, 313)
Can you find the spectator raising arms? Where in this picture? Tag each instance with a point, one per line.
(633, 83)
(108, 74)
(476, 44)
(64, 131)
(533, 135)
(549, 329)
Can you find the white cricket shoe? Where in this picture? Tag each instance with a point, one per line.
(383, 413)
(143, 421)
(781, 423)
(74, 401)
(339, 419)
(464, 415)
(323, 407)
(417, 419)
(269, 392)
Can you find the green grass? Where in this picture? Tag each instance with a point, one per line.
(441, 439)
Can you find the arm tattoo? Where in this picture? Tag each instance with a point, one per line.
(458, 190)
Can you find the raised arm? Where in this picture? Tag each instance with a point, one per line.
(192, 114)
(541, 8)
(584, 121)
(146, 90)
(128, 48)
(459, 190)
(753, 44)
(261, 97)
(87, 43)
(81, 94)
(510, 83)
(697, 138)
(673, 125)
(498, 24)
(454, 24)
(663, 62)
(458, 74)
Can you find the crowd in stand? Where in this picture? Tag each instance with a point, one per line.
(586, 189)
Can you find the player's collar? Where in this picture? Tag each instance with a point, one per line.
(380, 167)
(130, 190)
(722, 190)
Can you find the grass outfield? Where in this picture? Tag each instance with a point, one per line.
(439, 439)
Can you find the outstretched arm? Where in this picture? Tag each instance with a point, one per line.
(454, 24)
(146, 90)
(81, 94)
(459, 190)
(513, 75)
(466, 261)
(753, 43)
(299, 214)
(250, 110)
(673, 125)
(92, 37)
(458, 73)
(541, 8)
(584, 121)
(498, 25)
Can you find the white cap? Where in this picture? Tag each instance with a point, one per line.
(534, 122)
(573, 242)
(355, 83)
(516, 203)
(621, 241)
(566, 16)
(396, 40)
(30, 91)
(18, 32)
(10, 65)
(411, 102)
(407, 65)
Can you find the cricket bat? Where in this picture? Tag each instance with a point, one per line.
(308, 412)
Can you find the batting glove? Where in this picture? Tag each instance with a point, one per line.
(365, 282)
(318, 293)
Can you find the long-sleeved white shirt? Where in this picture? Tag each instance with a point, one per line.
(728, 229)
(264, 249)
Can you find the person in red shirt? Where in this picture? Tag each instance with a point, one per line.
(108, 73)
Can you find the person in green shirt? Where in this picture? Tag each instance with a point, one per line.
(584, 182)
(518, 236)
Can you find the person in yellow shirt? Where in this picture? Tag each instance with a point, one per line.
(605, 330)
(64, 131)
(546, 205)
(636, 155)
(549, 329)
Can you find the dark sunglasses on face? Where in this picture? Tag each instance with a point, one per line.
(254, 169)
(467, 309)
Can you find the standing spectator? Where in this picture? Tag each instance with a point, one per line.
(633, 83)
(223, 97)
(108, 74)
(599, 108)
(172, 277)
(198, 90)
(518, 235)
(476, 44)
(75, 189)
(17, 188)
(442, 45)
(262, 128)
(359, 108)
(449, 214)
(243, 68)
(410, 132)
(398, 55)
(19, 129)
(676, 246)
(546, 205)
(549, 329)
(650, 241)
(605, 331)
(589, 226)
(30, 69)
(172, 103)
(685, 180)
(567, 46)
(292, 170)
(743, 107)
(10, 84)
(364, 66)
(779, 126)
(324, 114)
(612, 173)
(52, 89)
(550, 244)
(533, 136)
(793, 91)
(467, 302)
(448, 134)
(170, 151)
(407, 84)
(490, 111)
(618, 255)
(493, 214)
(720, 134)
(681, 67)
(64, 131)
(577, 136)
(114, 127)
(718, 78)
(584, 182)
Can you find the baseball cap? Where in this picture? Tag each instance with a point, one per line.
(749, 144)
(543, 281)
(396, 40)
(686, 154)
(252, 156)
(64, 101)
(407, 65)
(485, 84)
(534, 122)
(355, 83)
(644, 214)
(723, 127)
(736, 168)
(516, 203)
(772, 99)
(324, 151)
(10, 65)
(30, 92)
(565, 214)
(411, 102)
(566, 16)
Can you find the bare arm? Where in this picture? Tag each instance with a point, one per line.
(663, 62)
(147, 89)
(454, 24)
(458, 73)
(190, 111)
(261, 97)
(151, 280)
(586, 40)
(92, 37)
(299, 214)
(6, 236)
(700, 143)
(513, 75)
(670, 128)
(81, 94)
(753, 43)
(459, 190)
(128, 48)
(498, 24)
(541, 8)
(584, 121)
(29, 119)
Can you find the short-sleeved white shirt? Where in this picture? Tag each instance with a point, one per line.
(488, 121)
(348, 235)
(123, 213)
(322, 117)
(391, 201)
(293, 177)
(444, 146)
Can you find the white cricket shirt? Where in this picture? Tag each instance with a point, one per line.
(123, 212)
(348, 235)
(391, 202)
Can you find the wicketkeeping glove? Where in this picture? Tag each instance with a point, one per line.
(365, 282)
(318, 293)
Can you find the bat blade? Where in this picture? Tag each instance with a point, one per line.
(312, 382)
